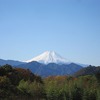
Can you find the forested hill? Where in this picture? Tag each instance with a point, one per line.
(13, 82)
(90, 70)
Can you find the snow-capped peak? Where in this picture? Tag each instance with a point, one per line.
(49, 57)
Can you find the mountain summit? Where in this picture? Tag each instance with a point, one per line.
(49, 57)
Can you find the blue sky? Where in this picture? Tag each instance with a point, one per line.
(69, 27)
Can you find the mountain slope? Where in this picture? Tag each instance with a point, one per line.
(10, 62)
(49, 57)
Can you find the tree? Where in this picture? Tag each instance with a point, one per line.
(7, 90)
(32, 89)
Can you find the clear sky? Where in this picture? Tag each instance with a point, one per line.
(69, 27)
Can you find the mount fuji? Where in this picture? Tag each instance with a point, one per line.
(52, 57)
(47, 64)
(51, 63)
(49, 57)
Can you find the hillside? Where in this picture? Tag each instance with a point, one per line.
(90, 70)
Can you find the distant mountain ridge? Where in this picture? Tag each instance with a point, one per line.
(51, 69)
(44, 70)
(10, 62)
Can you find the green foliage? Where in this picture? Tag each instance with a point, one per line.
(5, 69)
(7, 90)
(69, 88)
(33, 89)
(24, 87)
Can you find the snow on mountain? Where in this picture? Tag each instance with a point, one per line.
(49, 57)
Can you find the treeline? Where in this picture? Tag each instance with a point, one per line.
(22, 84)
